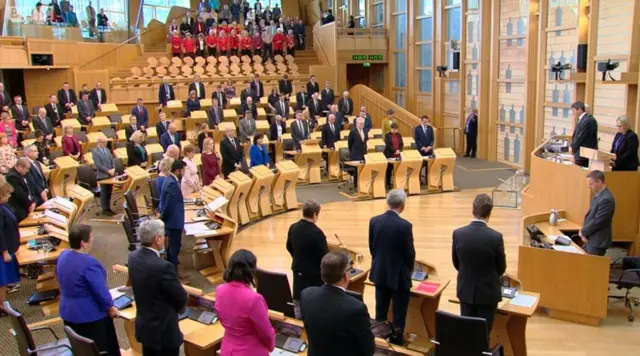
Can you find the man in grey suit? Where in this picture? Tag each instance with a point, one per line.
(596, 229)
(299, 129)
(106, 168)
(86, 110)
(247, 127)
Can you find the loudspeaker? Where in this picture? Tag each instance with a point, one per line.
(582, 58)
(456, 60)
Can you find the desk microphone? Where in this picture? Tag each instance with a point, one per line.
(339, 242)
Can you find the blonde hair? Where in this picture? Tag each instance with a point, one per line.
(136, 137)
(67, 128)
(5, 191)
(206, 143)
(3, 135)
(188, 149)
(165, 165)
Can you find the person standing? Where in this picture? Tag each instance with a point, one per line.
(85, 302)
(393, 257)
(35, 176)
(596, 230)
(624, 147)
(471, 133)
(585, 133)
(105, 168)
(172, 212)
(9, 243)
(478, 256)
(386, 123)
(232, 153)
(158, 293)
(393, 146)
(336, 323)
(21, 200)
(91, 18)
(306, 244)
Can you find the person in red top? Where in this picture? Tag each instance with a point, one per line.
(256, 43)
(392, 147)
(212, 42)
(291, 43)
(278, 43)
(223, 43)
(245, 44)
(189, 46)
(222, 27)
(176, 44)
(234, 43)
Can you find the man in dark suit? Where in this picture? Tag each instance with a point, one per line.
(285, 86)
(312, 85)
(215, 115)
(86, 110)
(306, 244)
(249, 104)
(20, 114)
(393, 257)
(21, 200)
(471, 133)
(596, 230)
(624, 147)
(165, 92)
(133, 127)
(162, 125)
(105, 168)
(341, 120)
(282, 107)
(67, 97)
(158, 293)
(300, 130)
(330, 133)
(231, 152)
(423, 136)
(584, 135)
(345, 104)
(328, 97)
(248, 92)
(301, 99)
(172, 212)
(257, 86)
(220, 96)
(336, 323)
(198, 87)
(35, 176)
(277, 128)
(171, 137)
(357, 141)
(141, 114)
(42, 123)
(5, 99)
(54, 111)
(478, 256)
(98, 95)
(315, 106)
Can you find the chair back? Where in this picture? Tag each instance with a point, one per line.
(379, 148)
(156, 156)
(109, 132)
(343, 154)
(87, 175)
(131, 202)
(119, 165)
(55, 154)
(274, 287)
(288, 145)
(413, 146)
(460, 335)
(153, 191)
(128, 231)
(81, 345)
(21, 331)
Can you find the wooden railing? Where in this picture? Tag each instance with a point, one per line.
(371, 32)
(377, 106)
(312, 12)
(324, 42)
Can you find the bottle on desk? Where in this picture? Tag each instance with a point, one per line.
(553, 217)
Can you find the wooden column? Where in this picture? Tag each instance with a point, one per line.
(541, 62)
(485, 123)
(439, 58)
(591, 52)
(531, 111)
(493, 87)
(411, 88)
(462, 70)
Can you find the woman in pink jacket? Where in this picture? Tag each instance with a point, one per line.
(243, 312)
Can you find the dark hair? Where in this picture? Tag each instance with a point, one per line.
(578, 105)
(38, 133)
(333, 266)
(394, 125)
(482, 206)
(177, 165)
(256, 137)
(310, 208)
(596, 175)
(241, 268)
(424, 117)
(389, 112)
(78, 234)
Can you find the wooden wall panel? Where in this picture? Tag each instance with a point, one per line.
(425, 104)
(615, 24)
(41, 83)
(472, 60)
(66, 53)
(13, 56)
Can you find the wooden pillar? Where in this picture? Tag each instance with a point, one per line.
(531, 81)
(590, 85)
(462, 70)
(493, 90)
(485, 123)
(410, 54)
(439, 57)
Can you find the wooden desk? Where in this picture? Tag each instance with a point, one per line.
(259, 200)
(406, 174)
(151, 149)
(238, 202)
(371, 175)
(226, 189)
(308, 160)
(121, 153)
(74, 123)
(572, 286)
(333, 161)
(193, 122)
(263, 126)
(360, 262)
(441, 171)
(230, 115)
(138, 178)
(284, 186)
(152, 133)
(206, 103)
(108, 109)
(66, 174)
(372, 143)
(82, 199)
(92, 141)
(173, 107)
(99, 123)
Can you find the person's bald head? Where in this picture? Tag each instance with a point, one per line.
(42, 112)
(173, 151)
(230, 132)
(102, 141)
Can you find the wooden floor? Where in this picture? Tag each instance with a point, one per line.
(434, 217)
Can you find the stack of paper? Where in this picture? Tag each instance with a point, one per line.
(198, 229)
(523, 300)
(570, 248)
(217, 203)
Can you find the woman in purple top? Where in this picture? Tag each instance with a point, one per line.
(85, 302)
(243, 312)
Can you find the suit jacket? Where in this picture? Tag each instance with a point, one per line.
(329, 137)
(389, 151)
(422, 139)
(165, 140)
(5, 99)
(301, 100)
(10, 240)
(244, 95)
(163, 97)
(159, 298)
(56, 117)
(297, 134)
(253, 108)
(247, 128)
(19, 116)
(161, 128)
(21, 198)
(478, 255)
(128, 131)
(230, 155)
(211, 116)
(142, 116)
(328, 97)
(315, 108)
(471, 126)
(357, 147)
(625, 146)
(306, 244)
(70, 144)
(585, 135)
(63, 100)
(104, 161)
(392, 251)
(93, 96)
(341, 120)
(172, 204)
(597, 222)
(273, 134)
(222, 97)
(259, 88)
(36, 181)
(312, 88)
(285, 87)
(280, 111)
(135, 157)
(192, 86)
(46, 127)
(344, 108)
(85, 110)
(337, 324)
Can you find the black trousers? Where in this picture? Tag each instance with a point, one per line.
(486, 312)
(400, 298)
(388, 174)
(105, 196)
(472, 143)
(102, 332)
(302, 281)
(267, 51)
(146, 351)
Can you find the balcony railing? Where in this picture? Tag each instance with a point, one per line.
(370, 32)
(362, 39)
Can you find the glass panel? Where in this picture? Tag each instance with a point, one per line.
(162, 14)
(425, 82)
(148, 14)
(401, 31)
(425, 55)
(425, 29)
(453, 2)
(473, 4)
(425, 7)
(378, 14)
(401, 6)
(155, 2)
(400, 70)
(453, 23)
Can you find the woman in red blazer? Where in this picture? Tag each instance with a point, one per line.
(223, 43)
(278, 43)
(176, 44)
(70, 144)
(210, 162)
(9, 128)
(212, 42)
(246, 44)
(234, 42)
(189, 46)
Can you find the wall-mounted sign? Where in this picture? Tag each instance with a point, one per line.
(366, 64)
(364, 57)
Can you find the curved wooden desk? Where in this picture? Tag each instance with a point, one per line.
(283, 192)
(371, 175)
(441, 171)
(238, 202)
(138, 185)
(66, 174)
(226, 189)
(308, 160)
(359, 262)
(259, 200)
(406, 174)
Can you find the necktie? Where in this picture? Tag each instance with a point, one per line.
(166, 90)
(68, 98)
(300, 126)
(220, 98)
(99, 93)
(44, 122)
(424, 129)
(20, 109)
(198, 89)
(165, 125)
(55, 108)
(233, 142)
(332, 130)
(28, 188)
(282, 106)
(173, 138)
(38, 169)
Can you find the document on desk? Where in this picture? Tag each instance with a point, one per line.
(281, 352)
(198, 229)
(217, 203)
(523, 300)
(570, 248)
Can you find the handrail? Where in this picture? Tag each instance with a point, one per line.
(372, 32)
(319, 45)
(316, 30)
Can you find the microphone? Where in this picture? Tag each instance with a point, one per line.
(339, 242)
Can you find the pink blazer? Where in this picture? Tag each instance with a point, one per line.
(244, 315)
(13, 141)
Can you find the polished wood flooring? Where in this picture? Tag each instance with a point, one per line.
(434, 217)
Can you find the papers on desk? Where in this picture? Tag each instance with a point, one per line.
(28, 233)
(570, 248)
(56, 218)
(281, 352)
(63, 204)
(217, 203)
(428, 287)
(198, 229)
(523, 300)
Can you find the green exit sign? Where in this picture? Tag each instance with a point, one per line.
(364, 57)
(359, 57)
(375, 57)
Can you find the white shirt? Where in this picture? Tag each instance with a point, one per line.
(153, 249)
(580, 118)
(279, 131)
(341, 287)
